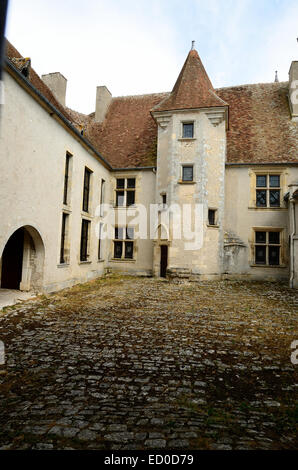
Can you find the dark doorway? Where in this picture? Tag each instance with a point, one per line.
(163, 260)
(12, 261)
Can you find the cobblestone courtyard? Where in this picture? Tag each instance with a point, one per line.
(126, 363)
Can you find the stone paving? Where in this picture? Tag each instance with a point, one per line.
(137, 363)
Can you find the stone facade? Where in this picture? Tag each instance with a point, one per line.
(140, 141)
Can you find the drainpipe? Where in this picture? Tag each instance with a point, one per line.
(292, 202)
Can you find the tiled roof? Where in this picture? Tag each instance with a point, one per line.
(193, 88)
(260, 127)
(37, 82)
(128, 135)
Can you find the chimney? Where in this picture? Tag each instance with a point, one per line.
(103, 100)
(57, 84)
(293, 90)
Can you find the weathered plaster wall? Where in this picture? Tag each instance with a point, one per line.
(32, 155)
(143, 248)
(206, 152)
(241, 217)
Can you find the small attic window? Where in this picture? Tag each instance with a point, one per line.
(187, 130)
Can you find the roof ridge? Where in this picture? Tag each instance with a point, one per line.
(142, 95)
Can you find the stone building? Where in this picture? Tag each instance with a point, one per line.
(229, 155)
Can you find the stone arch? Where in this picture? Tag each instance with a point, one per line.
(22, 261)
(163, 232)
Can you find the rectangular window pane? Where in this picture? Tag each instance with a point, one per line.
(274, 198)
(66, 179)
(260, 237)
(119, 198)
(274, 255)
(130, 195)
(211, 217)
(120, 183)
(118, 249)
(188, 130)
(63, 236)
(261, 181)
(86, 190)
(99, 242)
(187, 173)
(131, 183)
(129, 250)
(84, 240)
(130, 233)
(261, 198)
(119, 232)
(260, 254)
(274, 181)
(274, 238)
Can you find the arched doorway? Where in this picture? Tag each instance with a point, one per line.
(12, 261)
(22, 260)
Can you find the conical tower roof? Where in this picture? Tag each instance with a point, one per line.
(193, 88)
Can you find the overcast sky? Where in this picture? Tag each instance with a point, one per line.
(139, 46)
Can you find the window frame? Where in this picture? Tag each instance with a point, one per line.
(124, 242)
(64, 240)
(267, 171)
(125, 190)
(215, 211)
(85, 247)
(267, 246)
(67, 178)
(187, 123)
(268, 189)
(187, 165)
(86, 203)
(99, 247)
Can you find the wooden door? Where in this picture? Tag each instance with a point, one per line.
(163, 260)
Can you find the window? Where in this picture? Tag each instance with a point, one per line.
(187, 130)
(86, 189)
(268, 190)
(125, 192)
(66, 178)
(212, 216)
(124, 243)
(64, 230)
(187, 173)
(102, 196)
(84, 240)
(100, 242)
(267, 248)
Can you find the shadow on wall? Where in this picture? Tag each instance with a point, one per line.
(22, 260)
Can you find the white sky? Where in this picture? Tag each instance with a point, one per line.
(139, 46)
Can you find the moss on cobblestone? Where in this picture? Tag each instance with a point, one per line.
(126, 362)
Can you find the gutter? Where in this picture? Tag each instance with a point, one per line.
(24, 82)
(135, 168)
(262, 164)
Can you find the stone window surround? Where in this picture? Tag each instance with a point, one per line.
(282, 263)
(189, 121)
(123, 259)
(216, 218)
(185, 164)
(253, 173)
(125, 177)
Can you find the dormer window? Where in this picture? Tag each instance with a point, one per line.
(188, 130)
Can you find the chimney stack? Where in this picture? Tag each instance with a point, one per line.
(57, 84)
(293, 90)
(103, 100)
